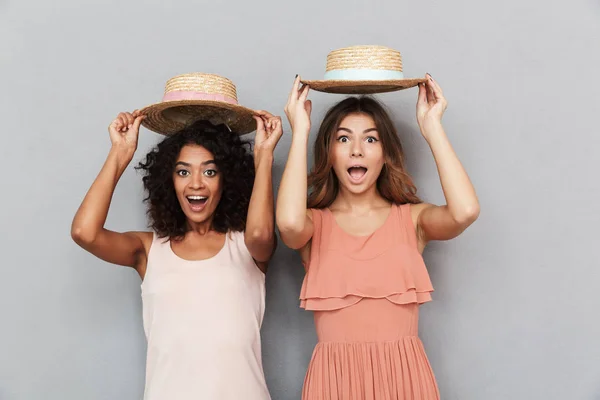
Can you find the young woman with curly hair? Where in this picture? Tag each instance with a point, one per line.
(210, 207)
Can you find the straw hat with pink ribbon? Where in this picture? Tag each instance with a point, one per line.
(363, 70)
(198, 96)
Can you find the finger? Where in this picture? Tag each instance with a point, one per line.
(276, 132)
(422, 93)
(308, 106)
(304, 93)
(278, 127)
(431, 87)
(130, 119)
(435, 84)
(430, 95)
(121, 121)
(293, 94)
(273, 122)
(114, 125)
(301, 90)
(124, 121)
(437, 90)
(264, 113)
(136, 122)
(265, 121)
(260, 125)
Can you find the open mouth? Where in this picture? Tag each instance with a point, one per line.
(197, 203)
(357, 173)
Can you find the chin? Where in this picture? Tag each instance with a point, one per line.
(197, 218)
(358, 189)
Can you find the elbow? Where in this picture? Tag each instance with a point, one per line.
(289, 226)
(467, 215)
(82, 236)
(261, 235)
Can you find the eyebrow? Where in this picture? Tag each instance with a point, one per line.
(189, 165)
(341, 128)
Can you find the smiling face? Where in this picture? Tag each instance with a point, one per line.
(357, 153)
(198, 183)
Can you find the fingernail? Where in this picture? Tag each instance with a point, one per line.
(296, 76)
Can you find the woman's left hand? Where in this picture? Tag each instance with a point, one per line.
(268, 131)
(430, 105)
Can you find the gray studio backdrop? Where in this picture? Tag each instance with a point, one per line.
(515, 311)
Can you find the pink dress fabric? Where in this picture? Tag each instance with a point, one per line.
(365, 292)
(202, 321)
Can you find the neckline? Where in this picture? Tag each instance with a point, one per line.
(380, 227)
(225, 243)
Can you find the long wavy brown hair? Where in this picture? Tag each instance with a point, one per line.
(394, 183)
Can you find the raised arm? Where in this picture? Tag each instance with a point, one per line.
(87, 229)
(462, 207)
(293, 219)
(260, 226)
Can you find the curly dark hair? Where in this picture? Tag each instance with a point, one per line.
(235, 161)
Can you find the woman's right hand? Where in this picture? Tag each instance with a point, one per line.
(124, 131)
(298, 108)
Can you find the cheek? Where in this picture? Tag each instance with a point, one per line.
(216, 185)
(178, 184)
(375, 154)
(337, 158)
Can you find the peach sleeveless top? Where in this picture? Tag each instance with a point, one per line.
(202, 321)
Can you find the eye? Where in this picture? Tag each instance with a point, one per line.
(372, 139)
(210, 172)
(343, 139)
(183, 172)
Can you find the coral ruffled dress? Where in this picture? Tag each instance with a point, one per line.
(365, 293)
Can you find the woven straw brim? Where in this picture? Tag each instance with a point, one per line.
(362, 87)
(170, 117)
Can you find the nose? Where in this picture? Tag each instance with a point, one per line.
(357, 150)
(197, 181)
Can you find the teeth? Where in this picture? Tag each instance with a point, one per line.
(197, 197)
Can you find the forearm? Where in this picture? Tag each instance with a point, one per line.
(291, 200)
(260, 223)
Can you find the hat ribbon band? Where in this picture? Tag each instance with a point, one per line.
(191, 95)
(358, 74)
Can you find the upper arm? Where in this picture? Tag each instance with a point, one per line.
(297, 239)
(435, 222)
(128, 249)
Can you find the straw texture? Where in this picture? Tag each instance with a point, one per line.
(183, 105)
(367, 58)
